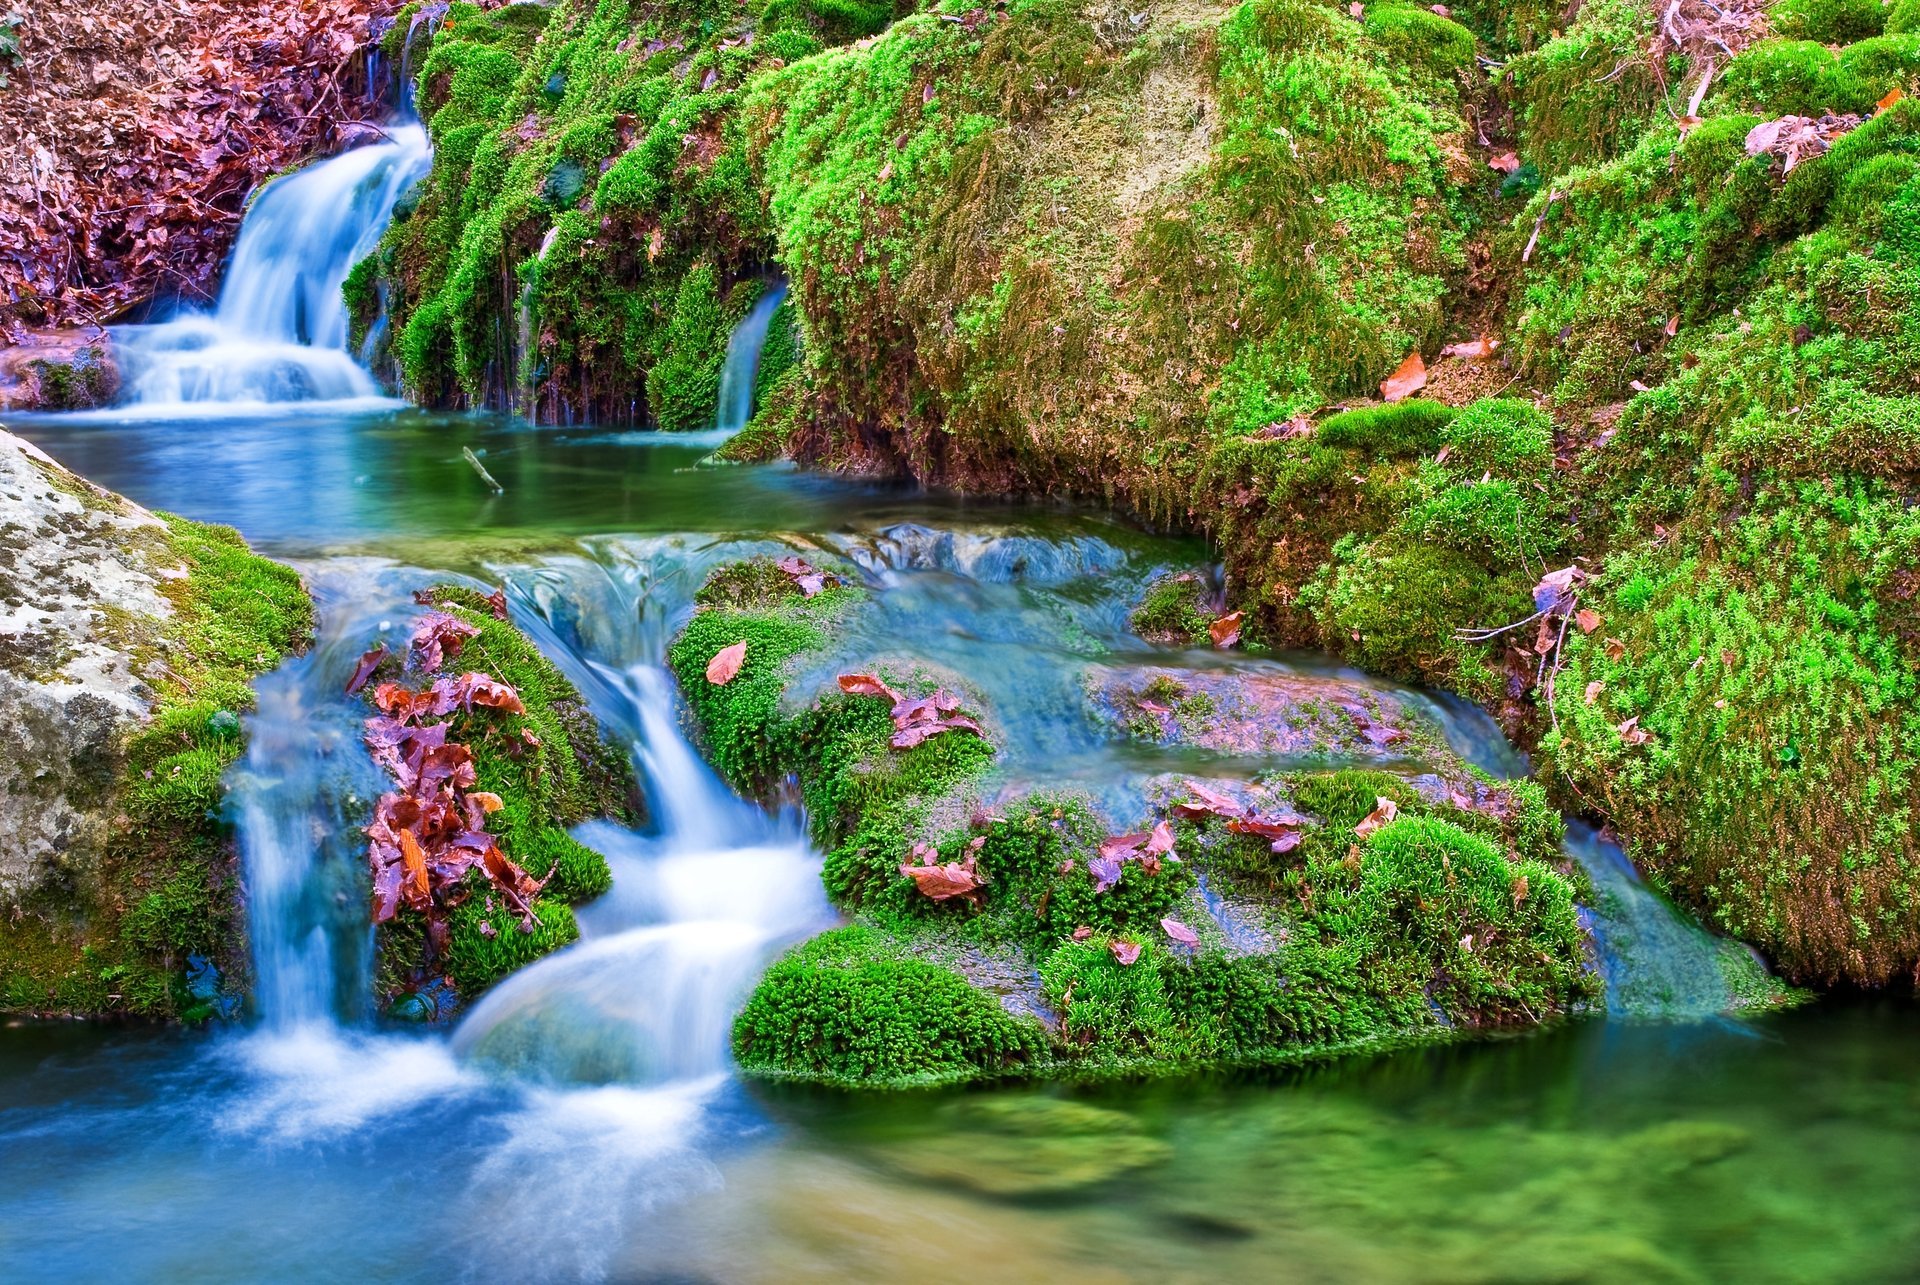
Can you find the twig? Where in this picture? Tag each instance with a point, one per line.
(1539, 223)
(1482, 635)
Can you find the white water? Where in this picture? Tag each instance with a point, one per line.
(743, 361)
(278, 334)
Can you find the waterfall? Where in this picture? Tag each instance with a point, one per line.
(743, 361)
(699, 902)
(298, 799)
(279, 331)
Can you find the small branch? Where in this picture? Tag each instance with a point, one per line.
(1539, 223)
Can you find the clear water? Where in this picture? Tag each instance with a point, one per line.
(582, 1124)
(742, 366)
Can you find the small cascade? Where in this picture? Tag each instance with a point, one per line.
(1657, 963)
(279, 331)
(298, 798)
(738, 376)
(699, 902)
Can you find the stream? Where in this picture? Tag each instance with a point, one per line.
(582, 1120)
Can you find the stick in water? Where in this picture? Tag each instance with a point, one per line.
(481, 469)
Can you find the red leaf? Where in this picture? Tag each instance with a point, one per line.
(437, 637)
(1125, 952)
(497, 603)
(1505, 163)
(369, 661)
(1211, 803)
(867, 685)
(1226, 630)
(1473, 349)
(1408, 378)
(726, 663)
(1180, 932)
(1384, 811)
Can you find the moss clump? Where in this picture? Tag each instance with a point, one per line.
(1831, 22)
(167, 895)
(553, 769)
(1174, 610)
(85, 380)
(683, 386)
(852, 1007)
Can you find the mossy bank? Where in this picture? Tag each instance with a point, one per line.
(130, 645)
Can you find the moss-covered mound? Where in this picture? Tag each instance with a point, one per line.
(1032, 942)
(140, 913)
(551, 768)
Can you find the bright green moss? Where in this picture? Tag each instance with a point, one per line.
(1411, 427)
(1778, 77)
(683, 386)
(1831, 22)
(1903, 17)
(552, 769)
(1586, 95)
(1420, 39)
(853, 1007)
(1173, 610)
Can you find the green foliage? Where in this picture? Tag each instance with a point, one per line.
(853, 1007)
(1586, 95)
(1173, 610)
(683, 385)
(1832, 22)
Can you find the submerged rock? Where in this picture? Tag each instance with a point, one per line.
(58, 370)
(127, 643)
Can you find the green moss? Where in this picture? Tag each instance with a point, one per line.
(553, 769)
(1833, 22)
(83, 381)
(1173, 610)
(1418, 38)
(852, 1007)
(168, 891)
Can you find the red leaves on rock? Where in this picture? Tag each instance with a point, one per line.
(497, 603)
(1225, 631)
(725, 665)
(1146, 847)
(1126, 953)
(1408, 378)
(914, 719)
(427, 835)
(1208, 802)
(438, 638)
(1281, 829)
(363, 671)
(1179, 932)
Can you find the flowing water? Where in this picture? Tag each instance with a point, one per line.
(582, 1123)
(279, 331)
(742, 368)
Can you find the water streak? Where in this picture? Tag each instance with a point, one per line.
(279, 332)
(738, 376)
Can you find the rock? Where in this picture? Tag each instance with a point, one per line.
(127, 643)
(1263, 711)
(58, 370)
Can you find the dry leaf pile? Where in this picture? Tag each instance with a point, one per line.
(130, 136)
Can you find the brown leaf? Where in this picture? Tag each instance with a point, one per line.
(363, 671)
(1473, 349)
(1594, 689)
(945, 881)
(1082, 933)
(489, 803)
(1891, 97)
(1180, 932)
(1208, 802)
(1408, 378)
(1672, 327)
(1615, 649)
(1225, 631)
(1632, 733)
(497, 603)
(1505, 163)
(1126, 952)
(1383, 814)
(726, 663)
(867, 685)
(1519, 890)
(438, 638)
(1587, 619)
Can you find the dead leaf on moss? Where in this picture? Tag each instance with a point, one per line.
(1505, 163)
(1225, 631)
(1125, 952)
(1473, 349)
(726, 662)
(1383, 814)
(1588, 619)
(1408, 378)
(1179, 932)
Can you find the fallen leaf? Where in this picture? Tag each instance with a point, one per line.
(1615, 649)
(1225, 631)
(1126, 952)
(1082, 933)
(1555, 591)
(1383, 814)
(1892, 96)
(1180, 932)
(1594, 689)
(438, 638)
(489, 803)
(1473, 349)
(1519, 890)
(363, 671)
(1672, 327)
(1505, 163)
(1209, 802)
(1587, 619)
(867, 685)
(726, 663)
(497, 603)
(1408, 378)
(1632, 733)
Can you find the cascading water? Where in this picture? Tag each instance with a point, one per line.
(737, 377)
(279, 331)
(697, 905)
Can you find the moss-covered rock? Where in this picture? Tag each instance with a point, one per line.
(1345, 948)
(552, 768)
(136, 639)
